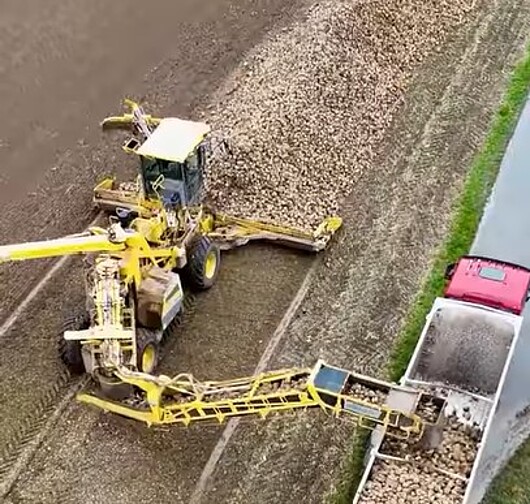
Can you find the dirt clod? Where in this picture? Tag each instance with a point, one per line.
(455, 454)
(428, 409)
(424, 476)
(360, 391)
(402, 483)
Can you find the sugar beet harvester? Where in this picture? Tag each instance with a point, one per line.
(158, 231)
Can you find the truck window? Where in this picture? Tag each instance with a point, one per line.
(492, 274)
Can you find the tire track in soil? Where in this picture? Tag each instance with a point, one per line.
(434, 151)
(24, 440)
(27, 436)
(30, 434)
(88, 434)
(57, 496)
(390, 276)
(18, 435)
(175, 71)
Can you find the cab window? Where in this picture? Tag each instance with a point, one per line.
(173, 171)
(193, 162)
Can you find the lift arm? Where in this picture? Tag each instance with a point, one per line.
(136, 118)
(96, 240)
(159, 400)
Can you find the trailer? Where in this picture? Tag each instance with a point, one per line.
(461, 359)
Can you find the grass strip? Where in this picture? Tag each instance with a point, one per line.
(512, 485)
(464, 224)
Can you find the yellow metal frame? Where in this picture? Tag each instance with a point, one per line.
(127, 119)
(130, 253)
(228, 231)
(183, 400)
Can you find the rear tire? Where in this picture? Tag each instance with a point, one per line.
(70, 351)
(147, 350)
(203, 263)
(111, 387)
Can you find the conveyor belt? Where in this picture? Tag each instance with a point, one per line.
(182, 400)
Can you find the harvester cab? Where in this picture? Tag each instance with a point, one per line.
(173, 154)
(172, 162)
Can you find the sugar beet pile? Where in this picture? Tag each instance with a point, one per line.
(424, 476)
(308, 110)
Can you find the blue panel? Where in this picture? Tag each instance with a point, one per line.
(361, 409)
(330, 379)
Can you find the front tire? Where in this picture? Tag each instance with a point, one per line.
(203, 263)
(70, 350)
(147, 350)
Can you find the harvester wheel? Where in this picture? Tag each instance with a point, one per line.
(203, 263)
(70, 351)
(111, 387)
(147, 349)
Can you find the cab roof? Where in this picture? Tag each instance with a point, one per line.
(174, 139)
(489, 282)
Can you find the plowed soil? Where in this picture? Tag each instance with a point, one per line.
(62, 68)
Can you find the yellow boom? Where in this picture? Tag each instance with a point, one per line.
(132, 293)
(129, 245)
(91, 242)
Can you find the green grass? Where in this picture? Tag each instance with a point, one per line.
(466, 218)
(512, 486)
(353, 471)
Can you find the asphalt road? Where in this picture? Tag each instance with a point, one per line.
(504, 233)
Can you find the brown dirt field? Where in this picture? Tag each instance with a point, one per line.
(358, 300)
(353, 311)
(65, 67)
(87, 48)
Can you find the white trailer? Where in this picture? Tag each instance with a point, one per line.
(461, 358)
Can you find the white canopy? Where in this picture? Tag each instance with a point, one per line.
(174, 139)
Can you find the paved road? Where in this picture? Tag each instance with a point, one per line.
(504, 233)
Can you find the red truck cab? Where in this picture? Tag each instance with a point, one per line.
(488, 282)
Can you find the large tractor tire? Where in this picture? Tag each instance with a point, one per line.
(70, 351)
(203, 264)
(147, 349)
